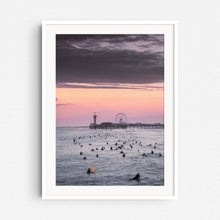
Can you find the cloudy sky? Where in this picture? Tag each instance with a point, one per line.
(109, 74)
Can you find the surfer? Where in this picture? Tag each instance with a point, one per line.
(91, 171)
(137, 177)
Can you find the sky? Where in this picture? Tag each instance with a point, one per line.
(109, 74)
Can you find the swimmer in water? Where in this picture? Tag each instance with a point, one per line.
(137, 177)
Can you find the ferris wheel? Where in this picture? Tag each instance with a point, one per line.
(121, 118)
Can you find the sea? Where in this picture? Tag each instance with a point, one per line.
(143, 151)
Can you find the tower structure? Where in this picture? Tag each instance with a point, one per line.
(94, 118)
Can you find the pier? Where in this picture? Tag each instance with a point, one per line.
(141, 125)
(121, 123)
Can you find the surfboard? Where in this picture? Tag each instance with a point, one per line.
(93, 170)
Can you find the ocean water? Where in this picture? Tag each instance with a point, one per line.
(112, 167)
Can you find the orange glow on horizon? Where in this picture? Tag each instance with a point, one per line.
(75, 105)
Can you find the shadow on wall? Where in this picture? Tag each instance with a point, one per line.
(35, 100)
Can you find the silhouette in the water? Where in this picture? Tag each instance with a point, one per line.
(81, 153)
(89, 171)
(123, 154)
(152, 152)
(84, 158)
(111, 148)
(97, 155)
(137, 177)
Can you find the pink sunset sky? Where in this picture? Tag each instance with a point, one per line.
(109, 74)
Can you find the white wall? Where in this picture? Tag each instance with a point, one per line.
(199, 109)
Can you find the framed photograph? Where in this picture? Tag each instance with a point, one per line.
(109, 110)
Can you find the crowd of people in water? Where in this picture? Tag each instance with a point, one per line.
(118, 146)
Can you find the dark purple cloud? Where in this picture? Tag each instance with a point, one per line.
(110, 59)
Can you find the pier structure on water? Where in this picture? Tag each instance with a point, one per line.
(121, 122)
